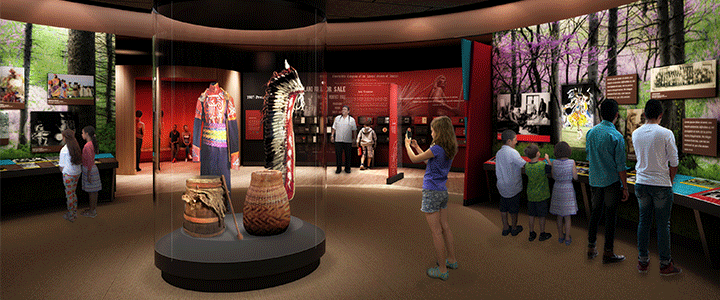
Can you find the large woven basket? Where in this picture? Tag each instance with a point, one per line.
(267, 209)
(199, 220)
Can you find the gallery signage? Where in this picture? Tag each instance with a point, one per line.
(699, 136)
(253, 125)
(688, 81)
(622, 88)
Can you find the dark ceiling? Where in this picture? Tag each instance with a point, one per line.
(389, 57)
(349, 10)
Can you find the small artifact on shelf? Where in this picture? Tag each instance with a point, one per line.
(267, 208)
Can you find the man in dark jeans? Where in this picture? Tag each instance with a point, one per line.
(343, 135)
(605, 149)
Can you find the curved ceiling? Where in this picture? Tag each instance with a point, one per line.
(402, 26)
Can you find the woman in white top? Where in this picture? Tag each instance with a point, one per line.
(70, 160)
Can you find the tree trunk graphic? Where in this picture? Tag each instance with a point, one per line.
(109, 100)
(554, 78)
(593, 24)
(676, 108)
(27, 56)
(81, 61)
(612, 42)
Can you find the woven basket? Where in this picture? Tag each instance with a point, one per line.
(267, 209)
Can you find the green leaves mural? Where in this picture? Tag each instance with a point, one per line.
(50, 55)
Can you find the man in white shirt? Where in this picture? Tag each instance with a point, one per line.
(508, 170)
(657, 161)
(343, 135)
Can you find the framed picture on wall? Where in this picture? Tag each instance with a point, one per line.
(46, 129)
(634, 120)
(71, 89)
(577, 112)
(12, 88)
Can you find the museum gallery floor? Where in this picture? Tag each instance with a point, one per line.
(378, 247)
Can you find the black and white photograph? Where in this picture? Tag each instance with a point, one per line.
(699, 75)
(535, 107)
(46, 129)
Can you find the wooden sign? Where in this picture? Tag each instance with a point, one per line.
(622, 88)
(700, 136)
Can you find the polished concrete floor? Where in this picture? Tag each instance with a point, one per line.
(378, 247)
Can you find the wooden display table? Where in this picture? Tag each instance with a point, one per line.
(35, 181)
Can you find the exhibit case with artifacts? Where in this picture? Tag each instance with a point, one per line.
(223, 221)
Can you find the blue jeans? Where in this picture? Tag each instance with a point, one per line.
(605, 201)
(659, 199)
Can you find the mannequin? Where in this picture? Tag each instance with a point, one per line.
(215, 133)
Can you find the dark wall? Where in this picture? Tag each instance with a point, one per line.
(423, 56)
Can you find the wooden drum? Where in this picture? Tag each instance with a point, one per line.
(267, 209)
(200, 220)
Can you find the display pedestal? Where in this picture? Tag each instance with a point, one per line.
(226, 264)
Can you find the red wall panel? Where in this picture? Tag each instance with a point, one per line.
(178, 104)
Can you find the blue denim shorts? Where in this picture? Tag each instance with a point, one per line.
(433, 201)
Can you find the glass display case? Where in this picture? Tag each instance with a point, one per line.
(228, 98)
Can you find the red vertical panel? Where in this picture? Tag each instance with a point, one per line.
(393, 152)
(479, 125)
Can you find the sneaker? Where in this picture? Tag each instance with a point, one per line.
(568, 240)
(610, 257)
(362, 167)
(68, 217)
(643, 266)
(434, 272)
(505, 232)
(89, 213)
(544, 236)
(669, 269)
(592, 252)
(532, 237)
(518, 229)
(449, 265)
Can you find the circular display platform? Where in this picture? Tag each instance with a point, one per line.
(225, 264)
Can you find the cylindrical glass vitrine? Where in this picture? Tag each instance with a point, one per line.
(238, 113)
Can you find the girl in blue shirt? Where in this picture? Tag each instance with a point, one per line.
(435, 196)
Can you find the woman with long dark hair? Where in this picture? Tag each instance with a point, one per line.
(70, 160)
(90, 174)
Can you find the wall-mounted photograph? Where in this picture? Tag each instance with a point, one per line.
(71, 89)
(12, 88)
(693, 80)
(46, 130)
(634, 120)
(577, 113)
(535, 106)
